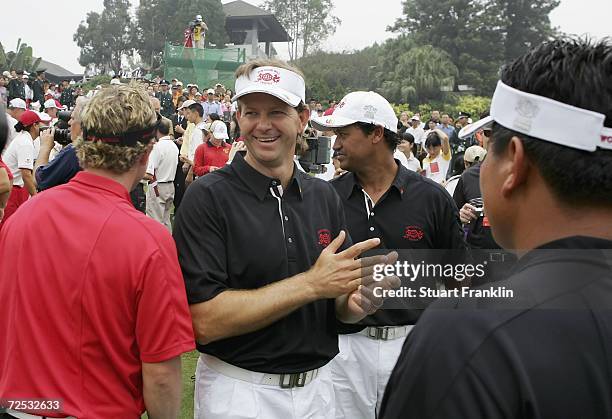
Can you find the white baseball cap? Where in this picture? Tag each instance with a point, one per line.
(25, 76)
(115, 81)
(281, 83)
(369, 107)
(219, 131)
(210, 91)
(416, 117)
(187, 104)
(544, 118)
(17, 103)
(50, 103)
(44, 117)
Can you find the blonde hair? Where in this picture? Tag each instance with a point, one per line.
(246, 68)
(115, 110)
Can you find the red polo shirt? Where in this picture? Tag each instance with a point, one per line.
(207, 155)
(89, 289)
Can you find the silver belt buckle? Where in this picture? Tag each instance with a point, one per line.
(293, 380)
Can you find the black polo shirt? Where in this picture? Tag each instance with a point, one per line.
(544, 354)
(236, 230)
(415, 213)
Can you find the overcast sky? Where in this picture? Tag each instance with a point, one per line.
(51, 25)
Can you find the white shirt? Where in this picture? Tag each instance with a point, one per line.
(437, 168)
(12, 132)
(163, 160)
(19, 155)
(417, 133)
(197, 138)
(410, 163)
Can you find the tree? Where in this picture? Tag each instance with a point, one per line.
(106, 37)
(161, 21)
(308, 22)
(523, 24)
(20, 59)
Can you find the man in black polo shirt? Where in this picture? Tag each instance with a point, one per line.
(381, 198)
(547, 187)
(257, 244)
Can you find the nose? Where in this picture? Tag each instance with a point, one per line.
(263, 122)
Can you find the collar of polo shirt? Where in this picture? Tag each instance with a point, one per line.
(546, 119)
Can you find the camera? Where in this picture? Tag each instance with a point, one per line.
(62, 129)
(318, 154)
(478, 204)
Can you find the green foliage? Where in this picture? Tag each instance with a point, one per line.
(20, 59)
(106, 37)
(308, 23)
(479, 35)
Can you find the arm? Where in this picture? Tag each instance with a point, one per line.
(5, 190)
(199, 168)
(59, 171)
(162, 388)
(234, 313)
(28, 181)
(445, 142)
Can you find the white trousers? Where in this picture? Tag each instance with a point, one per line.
(218, 396)
(159, 207)
(360, 373)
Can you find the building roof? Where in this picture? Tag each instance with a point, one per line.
(242, 16)
(55, 73)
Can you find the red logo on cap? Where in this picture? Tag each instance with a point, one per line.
(324, 237)
(606, 139)
(268, 77)
(341, 104)
(414, 233)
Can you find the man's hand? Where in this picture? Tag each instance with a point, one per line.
(179, 129)
(363, 302)
(46, 139)
(468, 213)
(1, 213)
(335, 274)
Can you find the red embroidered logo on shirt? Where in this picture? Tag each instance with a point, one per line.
(414, 233)
(324, 237)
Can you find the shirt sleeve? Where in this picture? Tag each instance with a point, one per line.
(152, 164)
(59, 170)
(199, 166)
(459, 194)
(163, 325)
(196, 139)
(200, 239)
(25, 156)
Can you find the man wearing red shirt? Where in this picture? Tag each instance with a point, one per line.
(94, 324)
(214, 153)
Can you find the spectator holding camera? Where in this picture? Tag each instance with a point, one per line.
(65, 164)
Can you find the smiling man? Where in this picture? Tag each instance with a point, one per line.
(257, 242)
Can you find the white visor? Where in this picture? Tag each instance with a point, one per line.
(278, 82)
(546, 119)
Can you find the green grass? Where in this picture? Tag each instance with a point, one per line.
(189, 365)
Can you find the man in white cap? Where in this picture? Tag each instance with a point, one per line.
(416, 130)
(51, 109)
(210, 105)
(257, 242)
(543, 350)
(384, 199)
(16, 107)
(199, 29)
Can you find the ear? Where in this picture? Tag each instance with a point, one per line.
(304, 117)
(378, 134)
(517, 167)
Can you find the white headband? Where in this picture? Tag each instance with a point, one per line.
(546, 119)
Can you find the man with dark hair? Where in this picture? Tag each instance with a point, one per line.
(38, 91)
(543, 352)
(381, 198)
